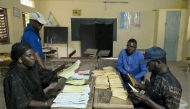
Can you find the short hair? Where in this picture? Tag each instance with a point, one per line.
(132, 40)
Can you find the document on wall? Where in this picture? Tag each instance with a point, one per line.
(70, 70)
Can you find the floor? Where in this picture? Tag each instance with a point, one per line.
(177, 68)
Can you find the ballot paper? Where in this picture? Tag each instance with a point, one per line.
(70, 70)
(83, 72)
(78, 76)
(75, 82)
(73, 100)
(74, 89)
(135, 90)
(71, 88)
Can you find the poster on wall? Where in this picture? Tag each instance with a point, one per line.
(130, 20)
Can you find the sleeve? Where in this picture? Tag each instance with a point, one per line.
(16, 95)
(171, 96)
(143, 69)
(46, 76)
(32, 40)
(119, 65)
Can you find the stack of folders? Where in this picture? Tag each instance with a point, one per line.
(75, 93)
(72, 97)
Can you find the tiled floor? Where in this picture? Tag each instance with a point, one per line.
(177, 68)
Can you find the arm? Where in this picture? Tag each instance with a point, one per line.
(143, 98)
(119, 65)
(47, 103)
(142, 67)
(39, 60)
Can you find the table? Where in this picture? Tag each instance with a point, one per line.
(104, 52)
(85, 65)
(91, 52)
(95, 101)
(103, 99)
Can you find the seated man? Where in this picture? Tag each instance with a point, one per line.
(129, 62)
(164, 90)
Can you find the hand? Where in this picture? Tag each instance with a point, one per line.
(140, 97)
(77, 70)
(50, 101)
(134, 80)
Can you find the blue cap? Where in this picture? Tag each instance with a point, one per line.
(153, 53)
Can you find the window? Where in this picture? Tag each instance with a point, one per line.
(29, 3)
(4, 31)
(25, 18)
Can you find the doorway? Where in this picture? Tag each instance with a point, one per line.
(172, 34)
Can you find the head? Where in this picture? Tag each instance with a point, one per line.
(24, 52)
(37, 20)
(155, 59)
(131, 46)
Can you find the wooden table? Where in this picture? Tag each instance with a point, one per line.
(103, 99)
(85, 65)
(96, 100)
(91, 52)
(104, 52)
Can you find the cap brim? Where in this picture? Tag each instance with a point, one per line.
(145, 61)
(42, 21)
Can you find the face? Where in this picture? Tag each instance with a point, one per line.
(131, 47)
(37, 25)
(152, 67)
(28, 58)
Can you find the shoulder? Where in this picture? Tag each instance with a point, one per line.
(169, 80)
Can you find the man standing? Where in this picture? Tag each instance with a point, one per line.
(164, 90)
(129, 62)
(31, 35)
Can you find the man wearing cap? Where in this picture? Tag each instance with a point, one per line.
(163, 90)
(31, 35)
(129, 63)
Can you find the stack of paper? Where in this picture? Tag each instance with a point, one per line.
(115, 81)
(70, 88)
(71, 100)
(70, 70)
(113, 76)
(102, 82)
(97, 73)
(131, 79)
(121, 95)
(110, 73)
(83, 72)
(75, 82)
(108, 69)
(79, 76)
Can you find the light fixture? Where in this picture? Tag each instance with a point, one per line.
(113, 2)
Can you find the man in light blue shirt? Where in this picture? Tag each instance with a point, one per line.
(129, 62)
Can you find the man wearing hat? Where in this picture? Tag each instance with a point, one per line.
(163, 90)
(31, 35)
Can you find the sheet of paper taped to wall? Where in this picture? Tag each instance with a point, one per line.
(70, 70)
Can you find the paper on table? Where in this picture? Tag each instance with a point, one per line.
(77, 76)
(69, 88)
(135, 90)
(75, 82)
(70, 70)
